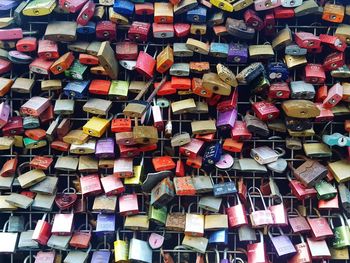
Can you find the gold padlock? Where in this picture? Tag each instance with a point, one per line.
(222, 4)
(117, 18)
(145, 134)
(97, 106)
(31, 177)
(197, 46)
(213, 82)
(76, 137)
(6, 142)
(226, 75)
(282, 39)
(85, 148)
(261, 51)
(203, 127)
(198, 29)
(343, 31)
(96, 126)
(294, 61)
(305, 133)
(183, 106)
(51, 84)
(87, 164)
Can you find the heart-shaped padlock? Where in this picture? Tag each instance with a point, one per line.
(156, 240)
(278, 166)
(225, 163)
(65, 200)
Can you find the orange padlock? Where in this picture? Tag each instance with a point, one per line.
(180, 83)
(163, 163)
(121, 124)
(195, 162)
(232, 145)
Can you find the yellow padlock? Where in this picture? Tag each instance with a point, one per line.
(223, 5)
(121, 250)
(96, 126)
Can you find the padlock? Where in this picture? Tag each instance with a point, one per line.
(76, 89)
(239, 28)
(27, 44)
(265, 110)
(128, 205)
(252, 19)
(333, 13)
(81, 238)
(9, 240)
(256, 252)
(277, 71)
(333, 41)
(334, 96)
(31, 177)
(320, 228)
(106, 30)
(333, 61)
(300, 109)
(181, 29)
(259, 218)
(139, 31)
(300, 191)
(42, 231)
(105, 223)
(184, 6)
(144, 8)
(314, 73)
(213, 82)
(303, 253)
(279, 212)
(96, 126)
(282, 245)
(90, 185)
(194, 225)
(62, 63)
(237, 215)
(301, 90)
(318, 249)
(86, 13)
(279, 90)
(165, 59)
(163, 13)
(266, 155)
(162, 193)
(106, 57)
(299, 224)
(137, 245)
(62, 224)
(123, 168)
(341, 233)
(121, 249)
(35, 106)
(217, 49)
(240, 131)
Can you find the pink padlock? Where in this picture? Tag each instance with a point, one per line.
(334, 96)
(156, 241)
(4, 113)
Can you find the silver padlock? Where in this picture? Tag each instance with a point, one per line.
(265, 154)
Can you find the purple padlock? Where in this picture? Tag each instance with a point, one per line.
(4, 113)
(105, 148)
(226, 119)
(101, 255)
(225, 259)
(105, 223)
(237, 53)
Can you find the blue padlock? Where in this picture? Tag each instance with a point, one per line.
(123, 7)
(219, 237)
(197, 15)
(105, 224)
(277, 71)
(336, 139)
(213, 153)
(219, 50)
(76, 89)
(89, 28)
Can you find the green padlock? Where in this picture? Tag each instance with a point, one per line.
(157, 215)
(33, 144)
(119, 88)
(325, 191)
(341, 233)
(76, 71)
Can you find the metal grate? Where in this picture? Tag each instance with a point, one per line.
(180, 123)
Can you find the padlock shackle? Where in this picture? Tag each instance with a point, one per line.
(21, 167)
(105, 244)
(342, 221)
(261, 197)
(5, 227)
(180, 206)
(85, 225)
(67, 190)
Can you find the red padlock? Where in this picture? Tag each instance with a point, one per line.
(145, 64)
(240, 132)
(86, 13)
(47, 115)
(265, 110)
(198, 89)
(279, 213)
(5, 66)
(147, 147)
(87, 59)
(195, 162)
(252, 19)
(106, 30)
(256, 252)
(332, 204)
(335, 95)
(214, 100)
(14, 126)
(229, 104)
(300, 191)
(128, 205)
(41, 66)
(279, 90)
(90, 185)
(27, 44)
(163, 30)
(166, 89)
(205, 137)
(10, 167)
(81, 238)
(48, 49)
(237, 214)
(35, 134)
(320, 228)
(303, 254)
(99, 86)
(163, 163)
(307, 40)
(333, 41)
(333, 61)
(41, 162)
(283, 13)
(144, 9)
(182, 29)
(60, 146)
(121, 124)
(192, 148)
(129, 151)
(126, 50)
(139, 31)
(181, 83)
(232, 145)
(42, 231)
(326, 114)
(314, 73)
(180, 168)
(321, 93)
(269, 24)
